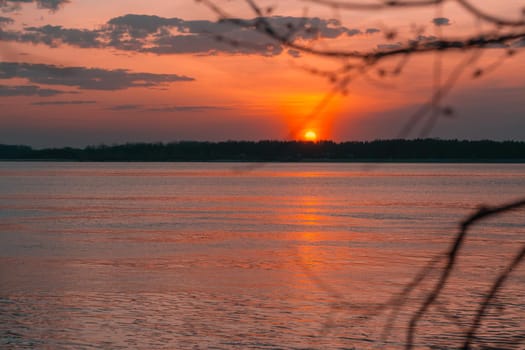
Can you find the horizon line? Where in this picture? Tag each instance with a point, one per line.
(321, 141)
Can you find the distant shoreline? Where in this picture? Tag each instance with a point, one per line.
(379, 151)
(338, 161)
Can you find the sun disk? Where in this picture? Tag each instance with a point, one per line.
(310, 135)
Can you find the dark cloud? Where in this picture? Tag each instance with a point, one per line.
(422, 41)
(352, 32)
(50, 4)
(387, 47)
(61, 103)
(293, 28)
(127, 107)
(432, 41)
(145, 33)
(241, 43)
(519, 43)
(294, 53)
(184, 109)
(441, 21)
(372, 31)
(168, 109)
(140, 26)
(174, 36)
(30, 90)
(426, 40)
(496, 46)
(53, 36)
(14, 5)
(5, 21)
(303, 27)
(85, 78)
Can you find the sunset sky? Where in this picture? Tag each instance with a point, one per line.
(84, 72)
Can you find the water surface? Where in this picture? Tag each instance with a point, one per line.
(225, 256)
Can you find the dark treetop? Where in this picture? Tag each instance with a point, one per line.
(282, 151)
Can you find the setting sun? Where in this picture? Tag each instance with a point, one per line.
(310, 135)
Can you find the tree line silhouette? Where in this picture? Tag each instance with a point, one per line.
(379, 150)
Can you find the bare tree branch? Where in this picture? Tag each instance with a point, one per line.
(392, 4)
(482, 214)
(507, 33)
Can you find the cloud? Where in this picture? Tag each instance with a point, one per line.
(140, 26)
(15, 5)
(240, 43)
(294, 53)
(127, 107)
(85, 78)
(426, 40)
(519, 43)
(29, 90)
(420, 38)
(159, 35)
(184, 109)
(441, 21)
(53, 36)
(372, 31)
(60, 103)
(387, 47)
(421, 41)
(5, 21)
(166, 109)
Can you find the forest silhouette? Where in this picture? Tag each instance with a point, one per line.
(419, 150)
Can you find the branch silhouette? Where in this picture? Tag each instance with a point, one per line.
(451, 256)
(506, 33)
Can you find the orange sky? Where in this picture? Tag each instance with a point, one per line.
(159, 79)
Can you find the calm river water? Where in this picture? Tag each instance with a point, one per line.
(226, 256)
